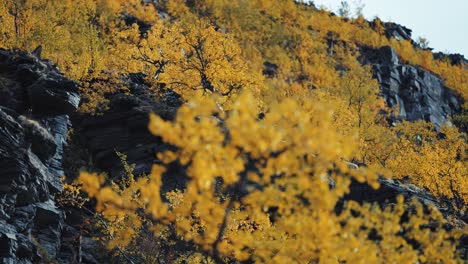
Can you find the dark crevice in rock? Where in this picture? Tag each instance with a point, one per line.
(124, 128)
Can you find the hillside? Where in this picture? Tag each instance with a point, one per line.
(226, 132)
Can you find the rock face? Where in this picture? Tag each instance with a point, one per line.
(399, 32)
(124, 128)
(418, 94)
(270, 69)
(35, 100)
(35, 103)
(394, 30)
(454, 59)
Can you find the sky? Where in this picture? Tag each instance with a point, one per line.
(443, 23)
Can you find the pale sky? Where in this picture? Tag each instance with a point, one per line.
(443, 23)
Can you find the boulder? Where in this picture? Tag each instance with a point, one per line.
(399, 32)
(53, 95)
(142, 25)
(42, 142)
(28, 83)
(270, 69)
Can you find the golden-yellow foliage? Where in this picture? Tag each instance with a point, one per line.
(85, 37)
(272, 197)
(435, 162)
(263, 190)
(93, 92)
(63, 29)
(195, 57)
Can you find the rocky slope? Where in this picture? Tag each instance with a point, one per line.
(35, 100)
(417, 93)
(37, 109)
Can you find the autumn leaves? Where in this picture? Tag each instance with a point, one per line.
(271, 198)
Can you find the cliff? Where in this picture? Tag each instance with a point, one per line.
(36, 100)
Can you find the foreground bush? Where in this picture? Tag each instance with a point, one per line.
(267, 190)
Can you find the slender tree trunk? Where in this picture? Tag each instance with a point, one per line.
(16, 19)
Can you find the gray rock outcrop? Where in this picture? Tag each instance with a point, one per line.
(417, 93)
(397, 31)
(35, 101)
(454, 59)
